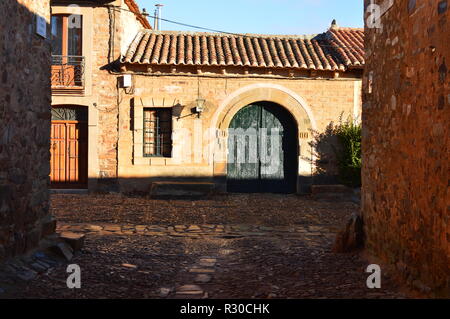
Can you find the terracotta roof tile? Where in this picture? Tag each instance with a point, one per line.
(349, 43)
(337, 49)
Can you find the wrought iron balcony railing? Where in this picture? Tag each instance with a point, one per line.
(68, 72)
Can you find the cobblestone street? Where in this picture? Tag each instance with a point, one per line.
(281, 248)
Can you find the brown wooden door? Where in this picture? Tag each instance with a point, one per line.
(68, 148)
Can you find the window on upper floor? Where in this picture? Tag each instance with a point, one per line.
(67, 54)
(67, 35)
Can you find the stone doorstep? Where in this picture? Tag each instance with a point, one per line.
(181, 189)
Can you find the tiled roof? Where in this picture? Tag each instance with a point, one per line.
(336, 49)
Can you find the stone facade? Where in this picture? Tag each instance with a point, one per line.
(405, 142)
(316, 79)
(315, 96)
(24, 127)
(314, 103)
(108, 29)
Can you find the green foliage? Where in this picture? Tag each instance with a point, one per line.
(349, 153)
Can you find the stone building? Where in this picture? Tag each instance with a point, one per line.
(195, 99)
(24, 125)
(88, 37)
(405, 142)
(132, 106)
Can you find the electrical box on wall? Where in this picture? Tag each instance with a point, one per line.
(126, 81)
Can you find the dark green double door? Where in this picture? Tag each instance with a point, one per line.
(262, 150)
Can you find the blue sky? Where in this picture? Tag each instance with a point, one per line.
(259, 16)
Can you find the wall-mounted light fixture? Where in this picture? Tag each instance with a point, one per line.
(200, 107)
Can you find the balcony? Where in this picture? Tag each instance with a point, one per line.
(68, 75)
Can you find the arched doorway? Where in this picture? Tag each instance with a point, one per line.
(262, 150)
(69, 147)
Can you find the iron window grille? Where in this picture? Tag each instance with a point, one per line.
(157, 132)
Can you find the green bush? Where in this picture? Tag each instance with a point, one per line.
(349, 153)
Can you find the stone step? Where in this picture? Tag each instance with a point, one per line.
(181, 189)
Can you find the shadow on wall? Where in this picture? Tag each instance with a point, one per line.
(24, 125)
(325, 146)
(337, 153)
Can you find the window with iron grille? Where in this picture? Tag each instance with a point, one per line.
(157, 132)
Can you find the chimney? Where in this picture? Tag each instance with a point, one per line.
(334, 24)
(158, 16)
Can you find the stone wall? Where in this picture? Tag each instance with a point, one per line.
(104, 87)
(107, 30)
(24, 127)
(113, 30)
(111, 109)
(314, 104)
(405, 142)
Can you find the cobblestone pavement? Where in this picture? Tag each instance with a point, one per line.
(288, 258)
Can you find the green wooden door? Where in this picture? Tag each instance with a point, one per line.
(262, 149)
